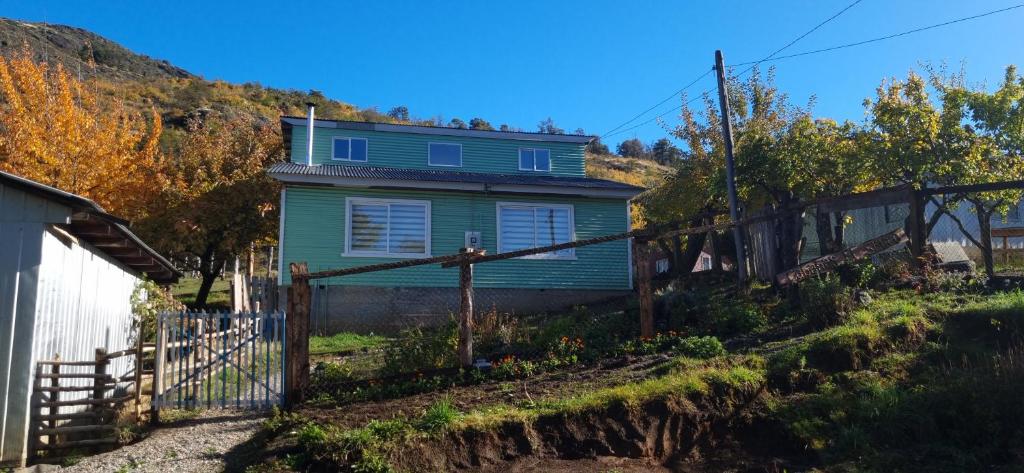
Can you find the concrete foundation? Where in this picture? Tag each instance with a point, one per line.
(390, 309)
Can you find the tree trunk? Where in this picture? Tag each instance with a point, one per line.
(823, 226)
(209, 269)
(790, 227)
(678, 268)
(916, 225)
(694, 246)
(839, 239)
(985, 237)
(716, 250)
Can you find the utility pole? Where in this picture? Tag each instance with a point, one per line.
(730, 172)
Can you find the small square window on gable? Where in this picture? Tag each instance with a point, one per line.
(444, 154)
(349, 149)
(534, 159)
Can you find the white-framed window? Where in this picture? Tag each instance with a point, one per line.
(349, 149)
(387, 227)
(527, 225)
(444, 154)
(705, 263)
(534, 159)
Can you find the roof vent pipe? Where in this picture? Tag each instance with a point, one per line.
(309, 134)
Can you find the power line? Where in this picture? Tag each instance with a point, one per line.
(812, 30)
(883, 38)
(670, 97)
(613, 131)
(660, 115)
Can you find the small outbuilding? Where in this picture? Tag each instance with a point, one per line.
(67, 272)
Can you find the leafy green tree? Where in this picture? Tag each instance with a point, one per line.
(992, 124)
(478, 123)
(664, 151)
(457, 123)
(695, 191)
(632, 148)
(833, 159)
(920, 142)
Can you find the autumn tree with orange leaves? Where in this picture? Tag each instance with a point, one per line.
(55, 130)
(218, 199)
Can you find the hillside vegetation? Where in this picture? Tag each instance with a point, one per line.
(880, 369)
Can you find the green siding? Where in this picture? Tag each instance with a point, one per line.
(409, 150)
(315, 233)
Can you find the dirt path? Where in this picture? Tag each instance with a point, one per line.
(208, 443)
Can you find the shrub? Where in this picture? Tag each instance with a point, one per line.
(439, 415)
(700, 347)
(417, 349)
(848, 347)
(331, 374)
(826, 301)
(735, 318)
(860, 274)
(937, 280)
(785, 363)
(647, 346)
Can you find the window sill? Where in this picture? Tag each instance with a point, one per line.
(548, 258)
(349, 254)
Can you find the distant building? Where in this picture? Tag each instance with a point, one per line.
(67, 273)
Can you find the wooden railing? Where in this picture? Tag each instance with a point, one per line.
(59, 424)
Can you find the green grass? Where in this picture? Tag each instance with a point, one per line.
(345, 342)
(220, 294)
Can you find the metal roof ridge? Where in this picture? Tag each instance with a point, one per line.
(293, 120)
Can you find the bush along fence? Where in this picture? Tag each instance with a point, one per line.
(77, 404)
(775, 256)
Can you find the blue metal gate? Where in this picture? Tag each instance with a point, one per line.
(219, 360)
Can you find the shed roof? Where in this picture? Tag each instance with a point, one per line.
(106, 232)
(388, 177)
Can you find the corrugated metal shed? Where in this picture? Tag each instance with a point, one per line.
(67, 272)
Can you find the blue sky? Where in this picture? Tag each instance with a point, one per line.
(587, 64)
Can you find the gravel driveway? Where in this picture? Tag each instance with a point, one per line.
(206, 443)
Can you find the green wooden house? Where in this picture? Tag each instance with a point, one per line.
(358, 193)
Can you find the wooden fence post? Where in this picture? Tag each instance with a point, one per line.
(466, 306)
(297, 324)
(53, 397)
(198, 359)
(160, 358)
(916, 226)
(643, 284)
(138, 377)
(99, 383)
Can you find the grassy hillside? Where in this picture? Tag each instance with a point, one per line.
(640, 172)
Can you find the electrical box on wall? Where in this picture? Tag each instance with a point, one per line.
(473, 240)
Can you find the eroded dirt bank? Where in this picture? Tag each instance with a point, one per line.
(674, 434)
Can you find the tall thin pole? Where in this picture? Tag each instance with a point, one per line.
(730, 172)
